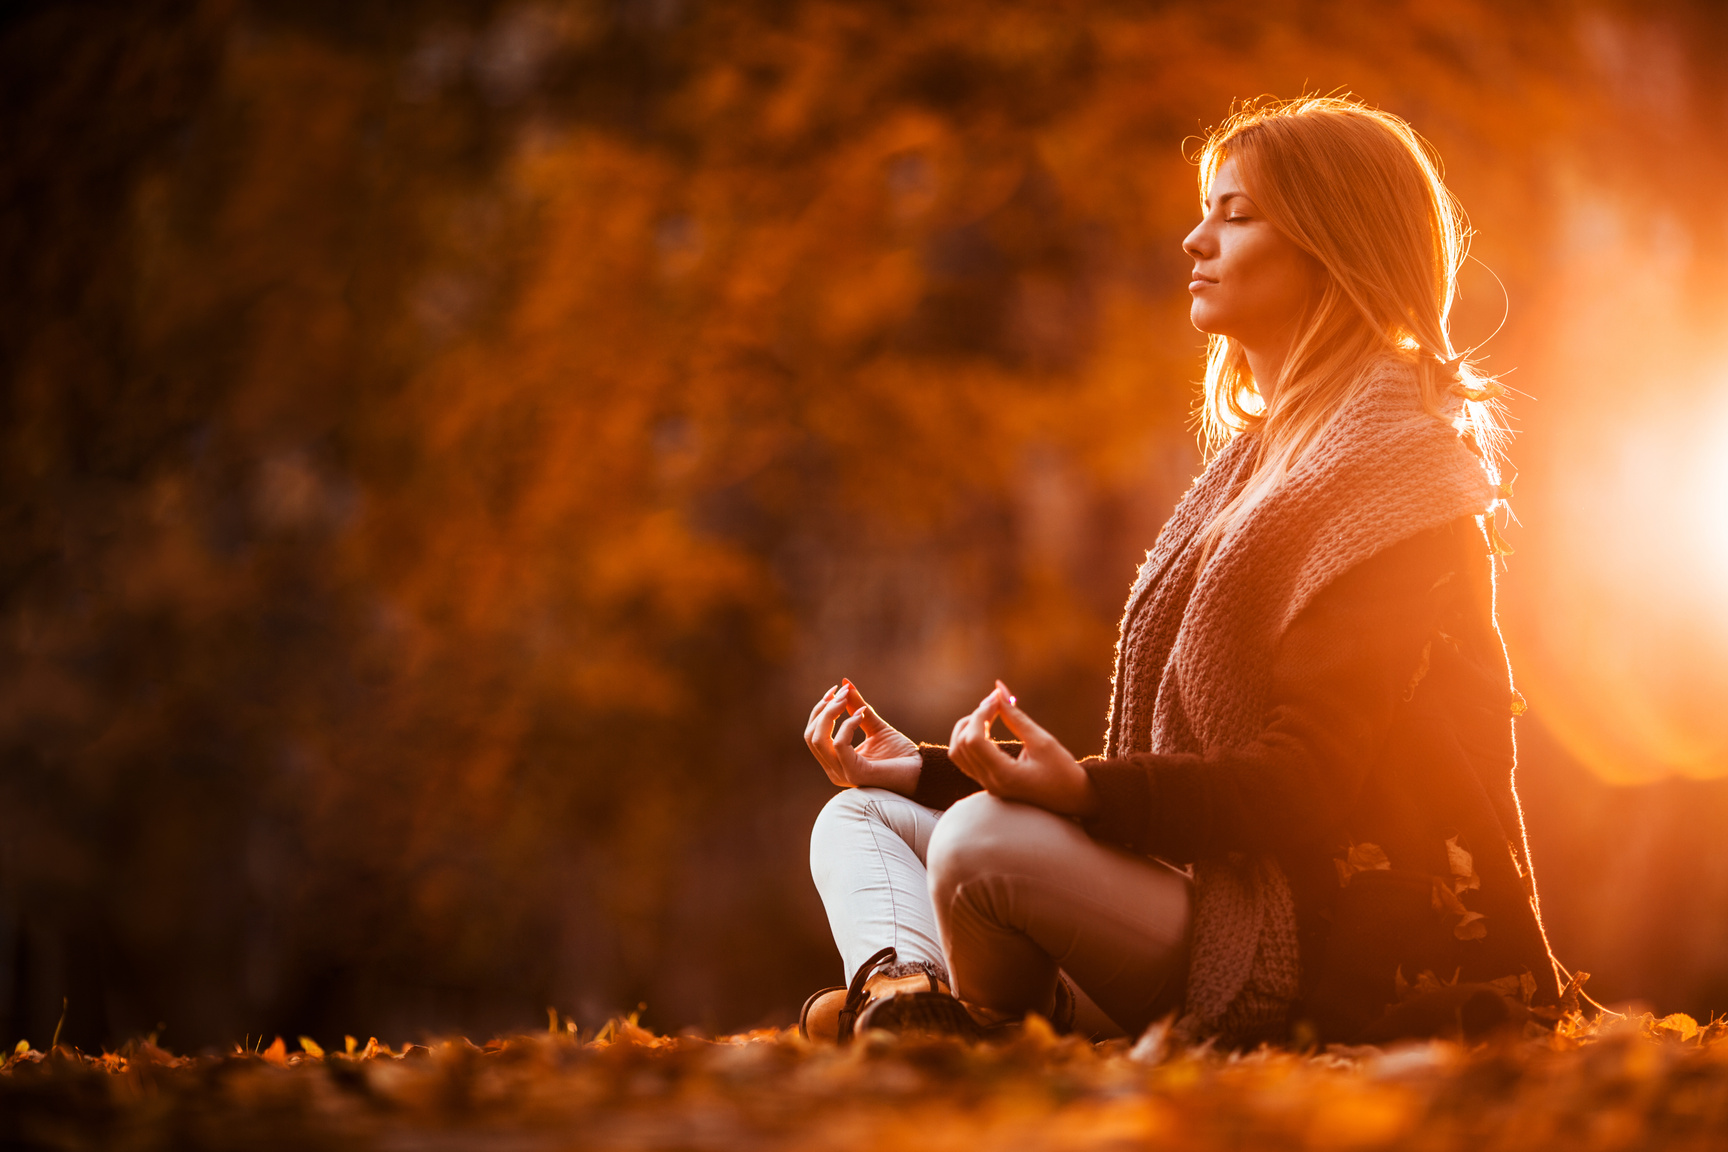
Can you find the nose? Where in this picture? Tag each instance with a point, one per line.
(1198, 243)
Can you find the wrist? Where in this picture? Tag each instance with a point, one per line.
(1079, 797)
(1086, 800)
(897, 775)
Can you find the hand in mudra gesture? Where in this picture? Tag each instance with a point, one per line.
(884, 759)
(1045, 773)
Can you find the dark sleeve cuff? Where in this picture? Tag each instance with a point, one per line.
(1124, 790)
(1153, 805)
(940, 783)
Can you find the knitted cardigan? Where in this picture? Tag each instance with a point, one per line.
(1196, 648)
(1193, 670)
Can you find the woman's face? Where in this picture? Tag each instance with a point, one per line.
(1250, 281)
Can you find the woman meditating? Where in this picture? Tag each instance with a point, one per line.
(1303, 822)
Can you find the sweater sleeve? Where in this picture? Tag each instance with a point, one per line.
(1339, 671)
(940, 783)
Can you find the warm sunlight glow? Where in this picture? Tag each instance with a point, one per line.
(1711, 498)
(1635, 672)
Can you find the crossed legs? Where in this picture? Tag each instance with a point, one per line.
(1003, 895)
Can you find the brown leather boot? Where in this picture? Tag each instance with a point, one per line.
(934, 1012)
(831, 1015)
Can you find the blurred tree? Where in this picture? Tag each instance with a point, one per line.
(447, 447)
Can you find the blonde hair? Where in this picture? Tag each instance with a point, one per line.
(1361, 193)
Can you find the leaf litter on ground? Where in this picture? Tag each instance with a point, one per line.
(1609, 1083)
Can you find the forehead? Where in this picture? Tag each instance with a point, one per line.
(1224, 181)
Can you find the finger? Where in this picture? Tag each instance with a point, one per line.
(813, 729)
(968, 730)
(845, 754)
(854, 699)
(873, 724)
(997, 769)
(821, 739)
(829, 761)
(991, 704)
(956, 743)
(1016, 720)
(956, 735)
(826, 696)
(969, 734)
(831, 711)
(848, 729)
(982, 717)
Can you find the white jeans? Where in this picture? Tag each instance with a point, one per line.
(1002, 895)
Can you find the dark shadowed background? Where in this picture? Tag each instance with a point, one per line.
(447, 447)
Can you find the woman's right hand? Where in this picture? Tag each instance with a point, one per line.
(885, 759)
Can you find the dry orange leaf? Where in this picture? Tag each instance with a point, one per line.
(1363, 857)
(1462, 865)
(1521, 986)
(1446, 901)
(1681, 1023)
(1426, 981)
(1471, 926)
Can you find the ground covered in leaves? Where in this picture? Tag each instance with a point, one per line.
(1630, 1084)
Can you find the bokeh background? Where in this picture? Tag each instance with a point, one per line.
(447, 447)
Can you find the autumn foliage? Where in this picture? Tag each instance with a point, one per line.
(1628, 1084)
(447, 446)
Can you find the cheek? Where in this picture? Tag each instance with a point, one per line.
(1295, 279)
(1273, 278)
(1284, 275)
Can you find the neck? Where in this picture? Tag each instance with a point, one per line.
(1266, 363)
(1268, 354)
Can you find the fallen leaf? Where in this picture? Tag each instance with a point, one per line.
(1462, 866)
(1574, 988)
(1681, 1023)
(1426, 981)
(311, 1048)
(1520, 987)
(1471, 926)
(1363, 857)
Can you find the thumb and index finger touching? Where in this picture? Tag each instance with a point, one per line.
(857, 706)
(1016, 721)
(1000, 702)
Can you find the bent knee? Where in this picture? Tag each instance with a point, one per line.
(850, 803)
(845, 808)
(985, 835)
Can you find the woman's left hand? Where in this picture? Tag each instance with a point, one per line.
(1045, 773)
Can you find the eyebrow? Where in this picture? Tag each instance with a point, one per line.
(1226, 198)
